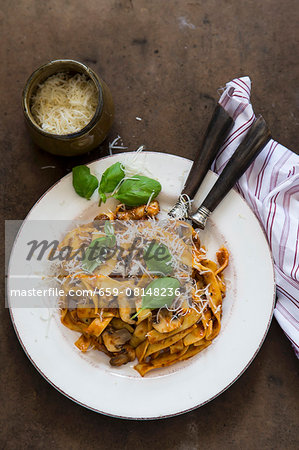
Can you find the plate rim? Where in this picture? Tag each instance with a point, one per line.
(165, 416)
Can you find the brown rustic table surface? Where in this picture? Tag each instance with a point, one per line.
(164, 61)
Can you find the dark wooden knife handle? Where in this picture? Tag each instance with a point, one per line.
(254, 141)
(217, 130)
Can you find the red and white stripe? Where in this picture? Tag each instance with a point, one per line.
(271, 188)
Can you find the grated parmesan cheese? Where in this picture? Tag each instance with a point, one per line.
(64, 104)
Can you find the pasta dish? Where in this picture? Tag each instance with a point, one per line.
(157, 311)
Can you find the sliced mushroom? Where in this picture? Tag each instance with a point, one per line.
(118, 324)
(114, 340)
(126, 355)
(97, 344)
(166, 322)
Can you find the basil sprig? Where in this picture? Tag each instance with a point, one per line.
(110, 179)
(97, 251)
(137, 190)
(158, 293)
(133, 191)
(84, 183)
(158, 259)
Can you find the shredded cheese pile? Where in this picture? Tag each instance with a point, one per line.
(64, 104)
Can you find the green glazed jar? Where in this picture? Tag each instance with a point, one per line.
(81, 141)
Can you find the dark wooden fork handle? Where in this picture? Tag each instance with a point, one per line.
(217, 130)
(255, 140)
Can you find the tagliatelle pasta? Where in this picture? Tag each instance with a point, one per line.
(123, 327)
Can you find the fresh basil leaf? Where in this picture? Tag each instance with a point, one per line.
(96, 252)
(158, 259)
(137, 190)
(160, 292)
(110, 179)
(108, 228)
(84, 183)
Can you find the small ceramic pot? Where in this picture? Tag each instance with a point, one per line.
(81, 141)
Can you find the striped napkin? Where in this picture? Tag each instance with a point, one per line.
(271, 188)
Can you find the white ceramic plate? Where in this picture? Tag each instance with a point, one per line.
(89, 380)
